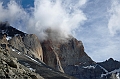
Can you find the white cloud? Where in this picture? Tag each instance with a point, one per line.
(96, 36)
(58, 15)
(14, 14)
(114, 21)
(107, 49)
(62, 17)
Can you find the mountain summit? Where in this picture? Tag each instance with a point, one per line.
(49, 59)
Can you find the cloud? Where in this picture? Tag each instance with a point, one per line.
(61, 17)
(13, 13)
(114, 21)
(58, 15)
(99, 43)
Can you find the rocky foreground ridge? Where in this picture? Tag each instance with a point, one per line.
(50, 59)
(10, 68)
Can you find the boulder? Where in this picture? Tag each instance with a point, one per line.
(12, 63)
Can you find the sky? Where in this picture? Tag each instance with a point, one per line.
(95, 22)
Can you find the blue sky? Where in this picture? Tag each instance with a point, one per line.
(95, 22)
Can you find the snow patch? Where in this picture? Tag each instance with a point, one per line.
(32, 69)
(13, 50)
(19, 52)
(8, 38)
(49, 69)
(33, 59)
(117, 75)
(89, 67)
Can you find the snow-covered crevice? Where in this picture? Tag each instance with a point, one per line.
(116, 71)
(33, 59)
(15, 50)
(89, 67)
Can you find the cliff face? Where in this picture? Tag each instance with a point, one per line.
(75, 62)
(50, 56)
(70, 52)
(33, 43)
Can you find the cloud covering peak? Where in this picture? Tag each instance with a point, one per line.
(63, 17)
(59, 15)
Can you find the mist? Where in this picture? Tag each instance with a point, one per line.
(60, 17)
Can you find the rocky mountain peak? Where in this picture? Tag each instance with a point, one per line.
(61, 55)
(110, 60)
(5, 28)
(110, 64)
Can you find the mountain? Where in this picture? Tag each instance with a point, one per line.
(109, 69)
(27, 51)
(61, 55)
(24, 56)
